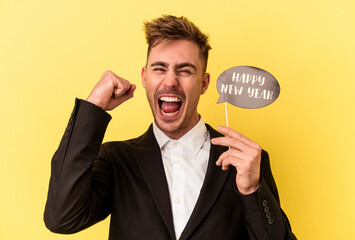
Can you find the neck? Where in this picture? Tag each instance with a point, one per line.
(181, 131)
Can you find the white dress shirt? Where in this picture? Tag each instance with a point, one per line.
(185, 163)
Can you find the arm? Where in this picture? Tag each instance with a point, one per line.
(79, 190)
(255, 185)
(262, 210)
(75, 201)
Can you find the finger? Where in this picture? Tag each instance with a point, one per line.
(230, 160)
(241, 157)
(241, 164)
(233, 153)
(116, 101)
(121, 87)
(106, 73)
(231, 143)
(234, 134)
(131, 90)
(129, 93)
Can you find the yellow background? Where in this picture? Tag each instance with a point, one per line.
(54, 51)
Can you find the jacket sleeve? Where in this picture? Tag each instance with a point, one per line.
(264, 216)
(79, 194)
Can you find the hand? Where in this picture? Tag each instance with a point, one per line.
(244, 155)
(111, 91)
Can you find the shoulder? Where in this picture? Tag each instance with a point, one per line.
(146, 140)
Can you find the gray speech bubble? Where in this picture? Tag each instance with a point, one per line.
(247, 87)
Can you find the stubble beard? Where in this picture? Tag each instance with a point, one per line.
(177, 127)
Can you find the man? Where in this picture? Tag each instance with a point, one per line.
(167, 183)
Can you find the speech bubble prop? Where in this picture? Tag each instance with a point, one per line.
(247, 87)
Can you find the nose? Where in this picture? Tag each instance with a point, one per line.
(171, 80)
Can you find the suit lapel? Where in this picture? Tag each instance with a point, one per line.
(150, 164)
(212, 186)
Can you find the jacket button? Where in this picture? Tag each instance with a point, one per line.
(268, 215)
(66, 134)
(267, 209)
(265, 203)
(270, 221)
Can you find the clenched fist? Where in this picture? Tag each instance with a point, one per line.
(111, 91)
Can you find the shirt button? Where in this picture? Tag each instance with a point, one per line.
(178, 201)
(178, 166)
(175, 144)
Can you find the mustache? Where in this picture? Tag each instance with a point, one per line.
(175, 92)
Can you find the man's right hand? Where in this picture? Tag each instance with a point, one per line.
(111, 91)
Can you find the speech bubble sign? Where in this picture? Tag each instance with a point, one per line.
(247, 87)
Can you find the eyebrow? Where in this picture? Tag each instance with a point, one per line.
(182, 65)
(178, 66)
(163, 64)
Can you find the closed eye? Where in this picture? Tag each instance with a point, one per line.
(159, 69)
(184, 72)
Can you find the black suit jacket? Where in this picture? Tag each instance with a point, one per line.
(126, 179)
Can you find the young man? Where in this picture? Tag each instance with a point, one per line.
(167, 183)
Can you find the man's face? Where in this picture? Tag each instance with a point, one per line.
(173, 79)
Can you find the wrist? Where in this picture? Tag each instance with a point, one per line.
(96, 102)
(249, 190)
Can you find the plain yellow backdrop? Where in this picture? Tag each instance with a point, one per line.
(54, 51)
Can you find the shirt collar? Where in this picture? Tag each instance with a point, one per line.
(192, 140)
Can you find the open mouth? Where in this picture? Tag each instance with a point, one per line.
(170, 106)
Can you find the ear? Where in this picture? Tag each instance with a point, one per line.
(205, 82)
(143, 75)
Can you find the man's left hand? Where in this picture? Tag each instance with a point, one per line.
(244, 155)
